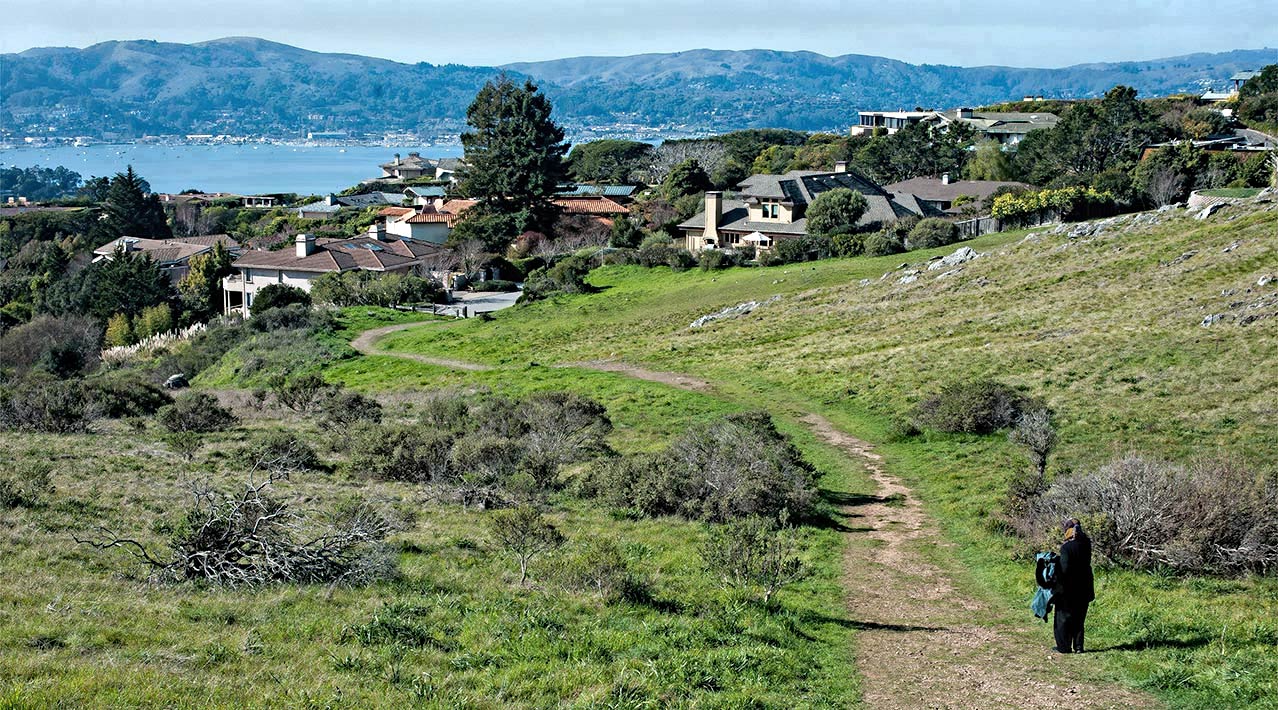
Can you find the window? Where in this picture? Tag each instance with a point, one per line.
(248, 276)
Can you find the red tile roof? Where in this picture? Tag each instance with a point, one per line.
(593, 205)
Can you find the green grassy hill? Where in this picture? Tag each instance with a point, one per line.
(1152, 333)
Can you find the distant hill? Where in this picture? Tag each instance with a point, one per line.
(246, 85)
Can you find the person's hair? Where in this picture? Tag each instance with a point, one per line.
(1068, 523)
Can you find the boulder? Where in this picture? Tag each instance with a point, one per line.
(1209, 210)
(962, 256)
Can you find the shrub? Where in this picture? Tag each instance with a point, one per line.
(278, 296)
(63, 346)
(972, 407)
(343, 408)
(1215, 516)
(566, 276)
(599, 565)
(24, 483)
(730, 468)
(153, 320)
(280, 454)
(754, 552)
(1036, 435)
(295, 316)
(119, 395)
(197, 412)
(931, 233)
(524, 534)
(301, 393)
(884, 242)
(562, 427)
(401, 453)
(849, 244)
(714, 259)
(42, 403)
(807, 248)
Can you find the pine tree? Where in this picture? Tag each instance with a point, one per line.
(514, 154)
(131, 210)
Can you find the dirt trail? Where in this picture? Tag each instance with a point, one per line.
(917, 644)
(920, 641)
(366, 343)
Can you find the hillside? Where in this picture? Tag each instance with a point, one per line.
(246, 85)
(1149, 333)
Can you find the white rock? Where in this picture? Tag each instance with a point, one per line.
(962, 256)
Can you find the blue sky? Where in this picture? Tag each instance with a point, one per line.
(968, 33)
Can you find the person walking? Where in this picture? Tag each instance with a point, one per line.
(1074, 589)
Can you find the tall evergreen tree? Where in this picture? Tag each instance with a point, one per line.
(514, 154)
(201, 288)
(132, 210)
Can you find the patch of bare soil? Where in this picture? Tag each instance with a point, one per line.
(917, 644)
(674, 379)
(366, 343)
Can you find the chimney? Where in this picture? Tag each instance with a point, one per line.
(377, 230)
(330, 200)
(714, 211)
(945, 178)
(305, 245)
(965, 113)
(841, 166)
(397, 158)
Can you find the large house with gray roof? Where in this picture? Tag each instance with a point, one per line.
(1005, 127)
(311, 258)
(773, 207)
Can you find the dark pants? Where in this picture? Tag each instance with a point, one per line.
(1069, 627)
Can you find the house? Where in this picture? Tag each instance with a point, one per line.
(940, 193)
(311, 258)
(424, 224)
(1006, 128)
(172, 255)
(332, 204)
(1241, 142)
(1239, 78)
(259, 201)
(889, 121)
(773, 207)
(415, 166)
(621, 194)
(424, 195)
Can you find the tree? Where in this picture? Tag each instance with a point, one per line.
(514, 154)
(153, 321)
(131, 210)
(126, 283)
(989, 162)
(710, 153)
(1036, 434)
(524, 533)
(119, 331)
(625, 234)
(201, 288)
(609, 160)
(278, 296)
(687, 178)
(836, 211)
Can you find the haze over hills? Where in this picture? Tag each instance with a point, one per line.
(254, 86)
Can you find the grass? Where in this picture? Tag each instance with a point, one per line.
(1108, 330)
(83, 629)
(1236, 192)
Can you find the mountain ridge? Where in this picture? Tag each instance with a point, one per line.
(258, 86)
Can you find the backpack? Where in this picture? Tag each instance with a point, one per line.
(1045, 569)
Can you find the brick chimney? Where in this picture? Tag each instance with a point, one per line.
(714, 212)
(305, 245)
(841, 166)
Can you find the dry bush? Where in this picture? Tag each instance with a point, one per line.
(1215, 516)
(43, 403)
(61, 345)
(600, 566)
(250, 538)
(197, 412)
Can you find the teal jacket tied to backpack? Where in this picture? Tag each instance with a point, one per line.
(1045, 564)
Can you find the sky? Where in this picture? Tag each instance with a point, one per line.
(490, 32)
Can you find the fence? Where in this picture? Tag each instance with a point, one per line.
(970, 228)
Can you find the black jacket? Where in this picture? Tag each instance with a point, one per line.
(1074, 584)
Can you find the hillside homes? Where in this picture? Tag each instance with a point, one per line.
(416, 167)
(172, 255)
(773, 207)
(1005, 128)
(378, 251)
